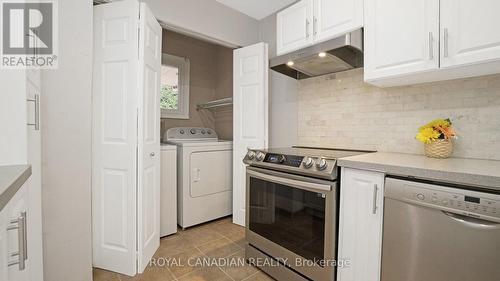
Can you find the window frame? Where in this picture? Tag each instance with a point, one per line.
(183, 64)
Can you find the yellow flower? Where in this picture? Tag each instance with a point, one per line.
(435, 123)
(427, 135)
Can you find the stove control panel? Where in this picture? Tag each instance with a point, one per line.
(304, 165)
(287, 160)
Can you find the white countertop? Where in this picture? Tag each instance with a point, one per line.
(476, 172)
(11, 180)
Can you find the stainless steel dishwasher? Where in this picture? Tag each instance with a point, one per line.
(439, 233)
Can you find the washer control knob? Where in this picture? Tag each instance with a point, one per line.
(321, 164)
(308, 162)
(420, 196)
(260, 156)
(251, 154)
(192, 131)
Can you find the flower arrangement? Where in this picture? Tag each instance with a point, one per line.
(437, 136)
(437, 129)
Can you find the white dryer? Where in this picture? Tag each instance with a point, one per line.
(204, 175)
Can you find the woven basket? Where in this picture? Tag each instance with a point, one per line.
(439, 149)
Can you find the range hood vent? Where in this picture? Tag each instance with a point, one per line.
(339, 54)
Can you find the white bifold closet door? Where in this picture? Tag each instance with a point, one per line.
(149, 137)
(126, 137)
(250, 115)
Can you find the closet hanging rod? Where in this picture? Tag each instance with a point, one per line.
(216, 103)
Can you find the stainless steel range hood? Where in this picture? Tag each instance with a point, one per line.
(338, 54)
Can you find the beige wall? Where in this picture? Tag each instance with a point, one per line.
(224, 89)
(66, 149)
(340, 110)
(210, 78)
(267, 33)
(283, 110)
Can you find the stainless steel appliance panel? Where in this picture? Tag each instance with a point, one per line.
(437, 233)
(294, 218)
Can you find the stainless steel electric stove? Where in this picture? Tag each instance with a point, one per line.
(292, 211)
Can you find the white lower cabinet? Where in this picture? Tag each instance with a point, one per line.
(21, 145)
(14, 223)
(360, 230)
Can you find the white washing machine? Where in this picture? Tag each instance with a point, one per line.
(204, 175)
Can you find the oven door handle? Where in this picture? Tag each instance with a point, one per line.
(291, 182)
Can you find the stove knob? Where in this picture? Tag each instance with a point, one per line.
(281, 159)
(260, 156)
(192, 131)
(308, 162)
(322, 164)
(251, 154)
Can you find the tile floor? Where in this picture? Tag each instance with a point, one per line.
(180, 255)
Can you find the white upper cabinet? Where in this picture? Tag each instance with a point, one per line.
(411, 42)
(401, 37)
(333, 18)
(313, 21)
(295, 27)
(469, 32)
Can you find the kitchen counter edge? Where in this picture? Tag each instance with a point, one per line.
(11, 180)
(474, 172)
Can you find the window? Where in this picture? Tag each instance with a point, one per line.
(174, 100)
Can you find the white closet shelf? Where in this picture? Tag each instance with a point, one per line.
(216, 103)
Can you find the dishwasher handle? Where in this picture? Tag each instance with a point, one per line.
(472, 222)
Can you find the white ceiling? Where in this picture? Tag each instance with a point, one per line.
(257, 9)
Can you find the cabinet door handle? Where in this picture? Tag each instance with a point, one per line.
(375, 192)
(307, 28)
(446, 38)
(431, 46)
(19, 224)
(36, 102)
(315, 26)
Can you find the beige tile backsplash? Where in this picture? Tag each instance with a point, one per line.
(340, 110)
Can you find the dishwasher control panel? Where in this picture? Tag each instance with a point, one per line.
(473, 203)
(457, 201)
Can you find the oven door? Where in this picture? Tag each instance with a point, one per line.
(293, 219)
